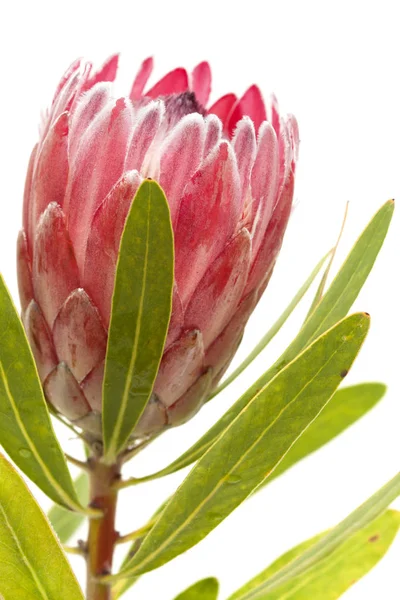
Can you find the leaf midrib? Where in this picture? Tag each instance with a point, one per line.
(22, 553)
(128, 380)
(255, 443)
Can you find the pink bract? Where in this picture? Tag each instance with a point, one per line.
(228, 173)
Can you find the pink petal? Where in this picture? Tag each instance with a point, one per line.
(96, 167)
(213, 133)
(153, 419)
(224, 347)
(273, 115)
(244, 145)
(201, 82)
(79, 336)
(26, 218)
(55, 272)
(108, 71)
(82, 87)
(181, 154)
(175, 82)
(104, 240)
(208, 216)
(63, 392)
(286, 134)
(250, 104)
(51, 172)
(191, 401)
(141, 79)
(68, 75)
(64, 100)
(92, 387)
(222, 108)
(40, 341)
(294, 137)
(24, 272)
(180, 367)
(285, 155)
(218, 293)
(87, 108)
(143, 135)
(273, 238)
(176, 322)
(264, 183)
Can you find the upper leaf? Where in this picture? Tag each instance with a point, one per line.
(251, 447)
(32, 563)
(141, 310)
(26, 432)
(334, 305)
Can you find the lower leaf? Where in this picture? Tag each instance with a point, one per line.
(32, 563)
(302, 564)
(206, 589)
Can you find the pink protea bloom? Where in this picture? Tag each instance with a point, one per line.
(228, 174)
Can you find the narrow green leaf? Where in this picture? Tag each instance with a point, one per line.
(32, 563)
(274, 329)
(206, 589)
(330, 577)
(141, 309)
(322, 284)
(345, 408)
(65, 522)
(26, 431)
(284, 573)
(334, 305)
(252, 445)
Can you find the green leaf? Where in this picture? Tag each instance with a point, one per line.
(274, 329)
(333, 306)
(285, 572)
(206, 589)
(32, 563)
(26, 431)
(252, 446)
(345, 408)
(141, 309)
(65, 522)
(333, 575)
(321, 288)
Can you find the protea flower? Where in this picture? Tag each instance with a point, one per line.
(228, 174)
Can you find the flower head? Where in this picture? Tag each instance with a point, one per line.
(228, 173)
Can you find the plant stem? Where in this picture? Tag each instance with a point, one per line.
(102, 535)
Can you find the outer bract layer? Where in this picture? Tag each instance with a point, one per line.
(228, 174)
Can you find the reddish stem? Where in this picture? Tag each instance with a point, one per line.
(102, 534)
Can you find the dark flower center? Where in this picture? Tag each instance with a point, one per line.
(180, 105)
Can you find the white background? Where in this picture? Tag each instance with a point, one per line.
(336, 66)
